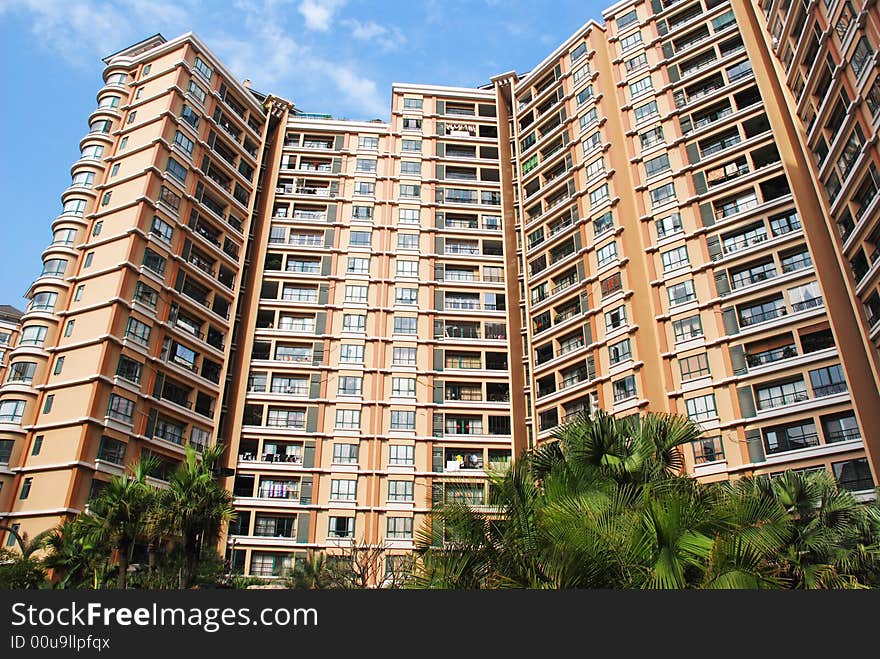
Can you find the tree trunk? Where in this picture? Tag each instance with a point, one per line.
(123, 567)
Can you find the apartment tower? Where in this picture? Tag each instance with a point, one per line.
(674, 212)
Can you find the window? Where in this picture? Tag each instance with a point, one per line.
(636, 63)
(412, 191)
(138, 331)
(365, 165)
(146, 295)
(351, 354)
(599, 195)
(708, 449)
(177, 170)
(11, 411)
(350, 385)
(694, 367)
(620, 352)
(22, 372)
(853, 475)
(860, 56)
(348, 419)
(611, 285)
(405, 325)
(356, 294)
(154, 262)
(345, 453)
(364, 188)
(407, 241)
(203, 69)
(649, 109)
(626, 19)
(592, 141)
(588, 117)
(343, 490)
(403, 420)
(585, 95)
(407, 268)
(827, 381)
(403, 387)
(658, 165)
(368, 142)
(681, 293)
(68, 328)
(411, 145)
(408, 216)
(578, 52)
(340, 527)
(106, 198)
(641, 86)
(615, 318)
(701, 408)
(404, 356)
(624, 388)
(400, 490)
(358, 266)
(59, 366)
(197, 91)
(410, 167)
(83, 180)
(162, 229)
(26, 488)
(630, 41)
(184, 142)
(688, 328)
(129, 369)
(401, 455)
(120, 408)
(44, 301)
(74, 207)
(78, 294)
(595, 168)
(399, 528)
(33, 335)
(606, 254)
(354, 323)
(675, 258)
(662, 195)
(405, 295)
(651, 137)
(115, 170)
(123, 143)
(47, 405)
(412, 103)
(412, 124)
(603, 223)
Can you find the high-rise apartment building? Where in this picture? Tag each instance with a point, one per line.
(673, 212)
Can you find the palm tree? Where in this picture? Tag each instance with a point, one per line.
(72, 556)
(606, 506)
(194, 507)
(118, 515)
(22, 569)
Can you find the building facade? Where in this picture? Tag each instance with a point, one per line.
(673, 212)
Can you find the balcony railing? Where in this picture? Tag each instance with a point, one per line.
(810, 303)
(770, 402)
(754, 319)
(770, 356)
(829, 389)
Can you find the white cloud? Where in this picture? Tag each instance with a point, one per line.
(255, 42)
(319, 13)
(387, 38)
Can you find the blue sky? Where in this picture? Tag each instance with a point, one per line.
(333, 56)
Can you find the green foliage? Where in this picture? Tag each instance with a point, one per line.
(604, 506)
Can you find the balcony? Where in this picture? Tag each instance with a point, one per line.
(810, 303)
(829, 389)
(316, 191)
(763, 316)
(770, 356)
(780, 400)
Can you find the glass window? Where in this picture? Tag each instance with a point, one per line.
(701, 408)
